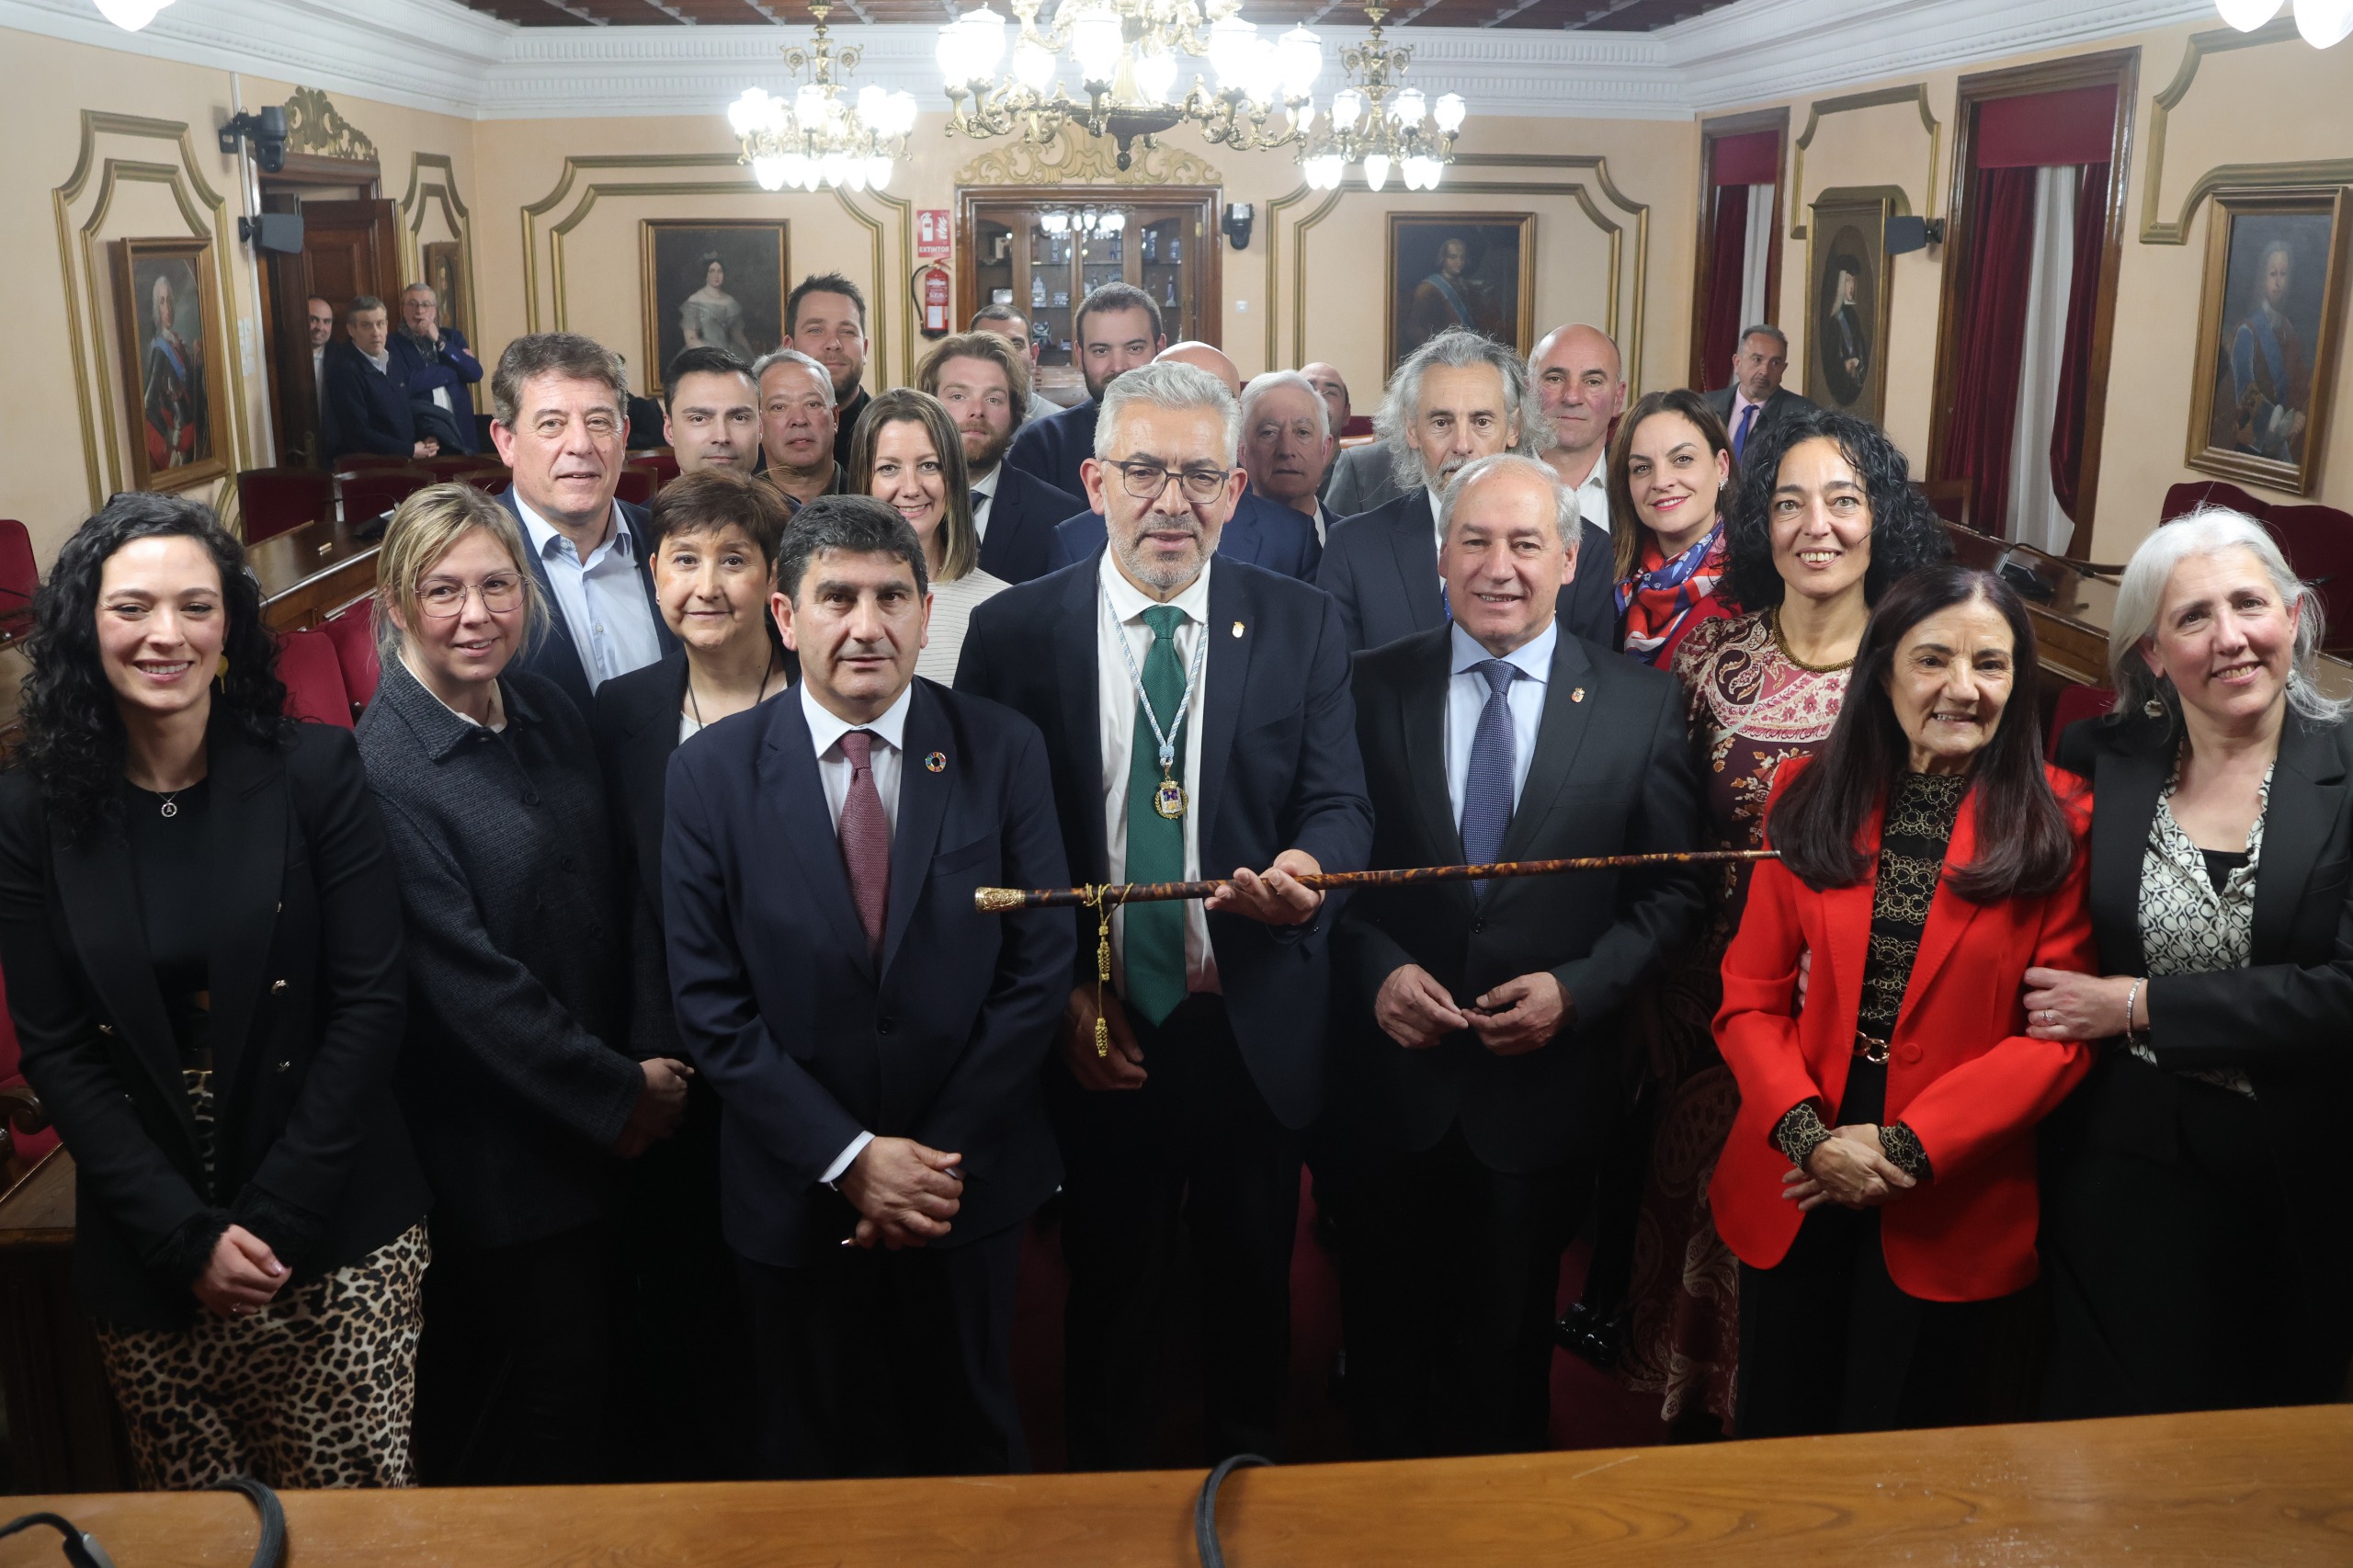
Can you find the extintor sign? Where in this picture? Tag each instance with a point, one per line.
(933, 239)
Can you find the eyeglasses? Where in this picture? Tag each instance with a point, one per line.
(442, 600)
(1148, 481)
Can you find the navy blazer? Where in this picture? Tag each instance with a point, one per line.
(1780, 407)
(1260, 533)
(807, 1038)
(1278, 770)
(1053, 449)
(556, 657)
(1021, 525)
(1612, 775)
(368, 410)
(454, 368)
(1381, 566)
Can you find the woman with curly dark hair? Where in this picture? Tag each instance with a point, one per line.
(1825, 522)
(201, 933)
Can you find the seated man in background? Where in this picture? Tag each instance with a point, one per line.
(982, 379)
(367, 406)
(440, 371)
(711, 413)
(876, 1044)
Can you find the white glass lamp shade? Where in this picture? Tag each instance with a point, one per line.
(870, 100)
(1300, 56)
(809, 106)
(982, 33)
(950, 54)
(878, 173)
(1448, 112)
(854, 173)
(1302, 116)
(1112, 222)
(834, 166)
(1155, 75)
(1347, 108)
(1408, 107)
(131, 14)
(792, 169)
(1033, 63)
(2324, 22)
(1231, 38)
(898, 113)
(1054, 222)
(769, 172)
(748, 111)
(1376, 170)
(1094, 39)
(1324, 171)
(2248, 14)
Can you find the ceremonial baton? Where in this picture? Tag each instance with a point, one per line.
(1108, 896)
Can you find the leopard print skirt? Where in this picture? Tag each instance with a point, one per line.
(314, 1390)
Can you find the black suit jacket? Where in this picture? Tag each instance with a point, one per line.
(2286, 1020)
(1053, 449)
(807, 1037)
(1780, 407)
(368, 410)
(1381, 566)
(454, 367)
(309, 1003)
(1021, 523)
(1260, 533)
(1278, 770)
(556, 657)
(636, 728)
(1611, 775)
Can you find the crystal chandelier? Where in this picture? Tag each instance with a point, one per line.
(1126, 57)
(813, 138)
(1379, 122)
(2324, 23)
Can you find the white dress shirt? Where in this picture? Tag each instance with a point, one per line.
(1119, 614)
(319, 377)
(826, 732)
(985, 499)
(1323, 521)
(1466, 698)
(603, 599)
(1593, 495)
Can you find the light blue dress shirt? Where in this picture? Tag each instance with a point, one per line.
(603, 599)
(1466, 698)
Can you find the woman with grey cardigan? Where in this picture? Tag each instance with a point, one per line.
(519, 1087)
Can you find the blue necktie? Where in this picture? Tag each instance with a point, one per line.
(1740, 432)
(1487, 790)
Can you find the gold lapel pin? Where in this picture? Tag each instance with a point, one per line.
(1237, 629)
(1577, 696)
(937, 762)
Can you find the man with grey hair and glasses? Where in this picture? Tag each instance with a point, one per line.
(1197, 724)
(1457, 398)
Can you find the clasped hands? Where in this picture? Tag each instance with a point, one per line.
(1849, 1168)
(1513, 1019)
(905, 1193)
(660, 1103)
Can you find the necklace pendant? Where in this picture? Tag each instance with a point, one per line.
(1169, 800)
(171, 808)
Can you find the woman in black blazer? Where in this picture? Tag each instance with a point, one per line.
(713, 540)
(2202, 1255)
(202, 939)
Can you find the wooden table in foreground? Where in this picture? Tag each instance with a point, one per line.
(2266, 1487)
(309, 573)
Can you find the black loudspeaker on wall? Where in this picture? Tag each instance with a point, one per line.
(1913, 233)
(273, 231)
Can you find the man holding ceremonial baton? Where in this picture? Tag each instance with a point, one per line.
(1479, 1068)
(1198, 721)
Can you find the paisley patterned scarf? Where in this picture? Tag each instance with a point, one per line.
(1657, 599)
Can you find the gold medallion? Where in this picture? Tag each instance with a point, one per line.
(1169, 798)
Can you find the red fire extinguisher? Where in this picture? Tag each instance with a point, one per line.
(931, 295)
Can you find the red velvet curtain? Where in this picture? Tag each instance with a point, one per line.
(1992, 339)
(1726, 272)
(2074, 366)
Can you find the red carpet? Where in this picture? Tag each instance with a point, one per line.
(1590, 1408)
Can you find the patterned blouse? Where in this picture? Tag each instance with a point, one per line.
(2187, 924)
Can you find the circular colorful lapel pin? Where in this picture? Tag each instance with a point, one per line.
(937, 762)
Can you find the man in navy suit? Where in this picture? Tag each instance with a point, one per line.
(875, 1041)
(438, 368)
(1197, 716)
(982, 381)
(1756, 398)
(560, 422)
(1118, 329)
(367, 402)
(1459, 397)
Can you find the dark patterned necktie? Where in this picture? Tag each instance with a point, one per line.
(866, 838)
(1487, 788)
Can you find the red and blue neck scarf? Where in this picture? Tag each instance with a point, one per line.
(1658, 599)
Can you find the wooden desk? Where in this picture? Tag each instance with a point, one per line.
(2269, 1487)
(63, 1433)
(308, 573)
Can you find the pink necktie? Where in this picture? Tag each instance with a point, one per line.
(866, 838)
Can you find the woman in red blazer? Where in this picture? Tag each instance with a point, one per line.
(1878, 1186)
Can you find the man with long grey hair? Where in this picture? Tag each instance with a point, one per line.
(1458, 398)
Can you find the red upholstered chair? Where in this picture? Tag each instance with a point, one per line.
(275, 500)
(354, 636)
(18, 577)
(315, 690)
(372, 491)
(637, 486)
(2075, 702)
(352, 462)
(2317, 541)
(2187, 497)
(19, 1150)
(661, 460)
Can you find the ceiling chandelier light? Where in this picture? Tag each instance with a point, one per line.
(1126, 55)
(131, 14)
(813, 138)
(1379, 123)
(2324, 22)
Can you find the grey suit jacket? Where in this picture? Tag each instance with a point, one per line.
(1362, 478)
(1780, 407)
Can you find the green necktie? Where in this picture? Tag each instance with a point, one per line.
(1153, 942)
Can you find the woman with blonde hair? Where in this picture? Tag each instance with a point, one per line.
(520, 1085)
(906, 451)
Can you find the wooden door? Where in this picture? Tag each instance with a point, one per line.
(350, 248)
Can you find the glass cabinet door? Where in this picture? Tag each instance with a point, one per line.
(1048, 304)
(1161, 253)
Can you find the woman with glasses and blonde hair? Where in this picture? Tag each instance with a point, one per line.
(518, 1076)
(2200, 1255)
(202, 941)
(906, 451)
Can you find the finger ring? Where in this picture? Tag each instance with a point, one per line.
(2050, 1014)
